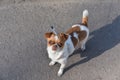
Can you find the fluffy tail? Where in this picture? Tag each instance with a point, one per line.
(85, 18)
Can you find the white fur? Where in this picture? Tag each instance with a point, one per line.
(56, 37)
(76, 36)
(85, 13)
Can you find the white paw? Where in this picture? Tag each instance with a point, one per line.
(51, 63)
(83, 48)
(60, 72)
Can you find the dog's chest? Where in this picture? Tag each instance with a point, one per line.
(53, 55)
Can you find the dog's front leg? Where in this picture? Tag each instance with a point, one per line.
(59, 56)
(52, 63)
(62, 67)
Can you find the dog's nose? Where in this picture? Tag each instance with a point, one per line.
(54, 47)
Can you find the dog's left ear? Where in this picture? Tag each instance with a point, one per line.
(64, 36)
(48, 34)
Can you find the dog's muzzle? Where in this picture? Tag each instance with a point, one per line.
(54, 47)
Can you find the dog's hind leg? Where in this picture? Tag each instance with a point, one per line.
(83, 43)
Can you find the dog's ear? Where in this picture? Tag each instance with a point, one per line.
(64, 36)
(48, 34)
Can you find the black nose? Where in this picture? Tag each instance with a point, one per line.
(54, 47)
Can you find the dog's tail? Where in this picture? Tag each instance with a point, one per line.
(85, 18)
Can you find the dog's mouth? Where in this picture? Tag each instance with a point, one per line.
(54, 48)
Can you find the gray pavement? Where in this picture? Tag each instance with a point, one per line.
(23, 54)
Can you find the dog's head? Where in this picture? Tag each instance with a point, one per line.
(55, 42)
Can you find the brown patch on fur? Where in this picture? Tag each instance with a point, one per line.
(51, 39)
(49, 34)
(85, 21)
(75, 41)
(63, 36)
(81, 34)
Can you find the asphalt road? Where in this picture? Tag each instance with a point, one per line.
(23, 54)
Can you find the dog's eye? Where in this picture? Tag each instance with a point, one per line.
(51, 42)
(60, 44)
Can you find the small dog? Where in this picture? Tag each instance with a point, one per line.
(61, 46)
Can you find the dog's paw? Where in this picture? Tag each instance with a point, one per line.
(60, 72)
(51, 63)
(83, 48)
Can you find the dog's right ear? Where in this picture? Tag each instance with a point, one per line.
(48, 34)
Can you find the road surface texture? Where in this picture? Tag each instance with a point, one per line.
(23, 54)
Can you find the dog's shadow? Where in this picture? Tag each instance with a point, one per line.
(103, 39)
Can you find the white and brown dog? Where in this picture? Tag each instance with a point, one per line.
(61, 46)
